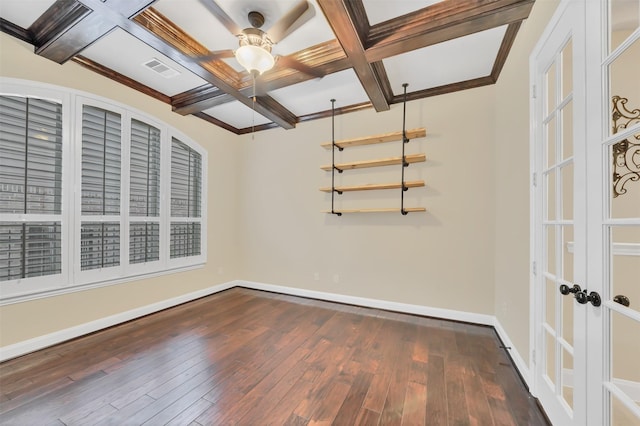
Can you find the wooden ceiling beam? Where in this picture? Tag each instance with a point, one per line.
(346, 26)
(185, 59)
(505, 48)
(441, 22)
(15, 31)
(68, 27)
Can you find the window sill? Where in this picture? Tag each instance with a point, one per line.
(82, 287)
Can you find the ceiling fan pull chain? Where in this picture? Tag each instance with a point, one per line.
(253, 105)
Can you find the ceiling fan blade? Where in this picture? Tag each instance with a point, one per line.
(301, 13)
(211, 56)
(289, 62)
(218, 54)
(222, 16)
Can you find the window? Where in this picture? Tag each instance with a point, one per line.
(186, 182)
(30, 187)
(121, 225)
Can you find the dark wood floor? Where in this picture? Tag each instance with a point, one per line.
(255, 358)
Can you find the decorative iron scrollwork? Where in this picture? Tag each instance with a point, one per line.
(626, 153)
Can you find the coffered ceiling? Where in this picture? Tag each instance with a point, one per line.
(358, 52)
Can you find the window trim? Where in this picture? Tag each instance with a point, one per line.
(71, 278)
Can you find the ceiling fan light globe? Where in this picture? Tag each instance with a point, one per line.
(254, 58)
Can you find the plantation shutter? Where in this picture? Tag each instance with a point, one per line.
(186, 193)
(30, 184)
(101, 188)
(144, 193)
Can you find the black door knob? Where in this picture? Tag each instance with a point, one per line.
(565, 289)
(582, 297)
(622, 299)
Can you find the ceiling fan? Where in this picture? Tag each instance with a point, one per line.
(255, 44)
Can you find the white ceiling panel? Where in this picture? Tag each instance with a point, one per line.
(449, 62)
(383, 10)
(237, 115)
(315, 95)
(207, 30)
(108, 51)
(23, 12)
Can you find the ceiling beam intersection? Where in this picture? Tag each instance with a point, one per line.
(345, 25)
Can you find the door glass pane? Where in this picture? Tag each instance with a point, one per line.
(568, 303)
(624, 249)
(624, 82)
(568, 246)
(625, 352)
(567, 69)
(624, 19)
(567, 130)
(567, 377)
(551, 250)
(551, 293)
(625, 266)
(551, 142)
(550, 79)
(550, 186)
(550, 369)
(566, 173)
(624, 159)
(621, 415)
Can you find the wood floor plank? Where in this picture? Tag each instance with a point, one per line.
(326, 412)
(395, 402)
(278, 393)
(436, 392)
(367, 417)
(279, 414)
(477, 403)
(190, 413)
(457, 411)
(249, 357)
(415, 404)
(354, 400)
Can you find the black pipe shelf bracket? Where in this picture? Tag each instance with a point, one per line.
(333, 158)
(405, 140)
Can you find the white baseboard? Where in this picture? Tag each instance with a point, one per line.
(519, 362)
(41, 342)
(375, 303)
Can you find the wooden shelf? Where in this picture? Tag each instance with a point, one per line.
(375, 186)
(369, 140)
(413, 158)
(391, 210)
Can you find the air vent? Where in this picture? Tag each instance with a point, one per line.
(161, 68)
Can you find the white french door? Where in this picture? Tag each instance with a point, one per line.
(613, 233)
(557, 70)
(586, 219)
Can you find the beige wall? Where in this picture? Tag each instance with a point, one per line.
(511, 146)
(442, 259)
(22, 321)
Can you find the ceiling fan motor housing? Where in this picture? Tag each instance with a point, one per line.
(256, 19)
(255, 37)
